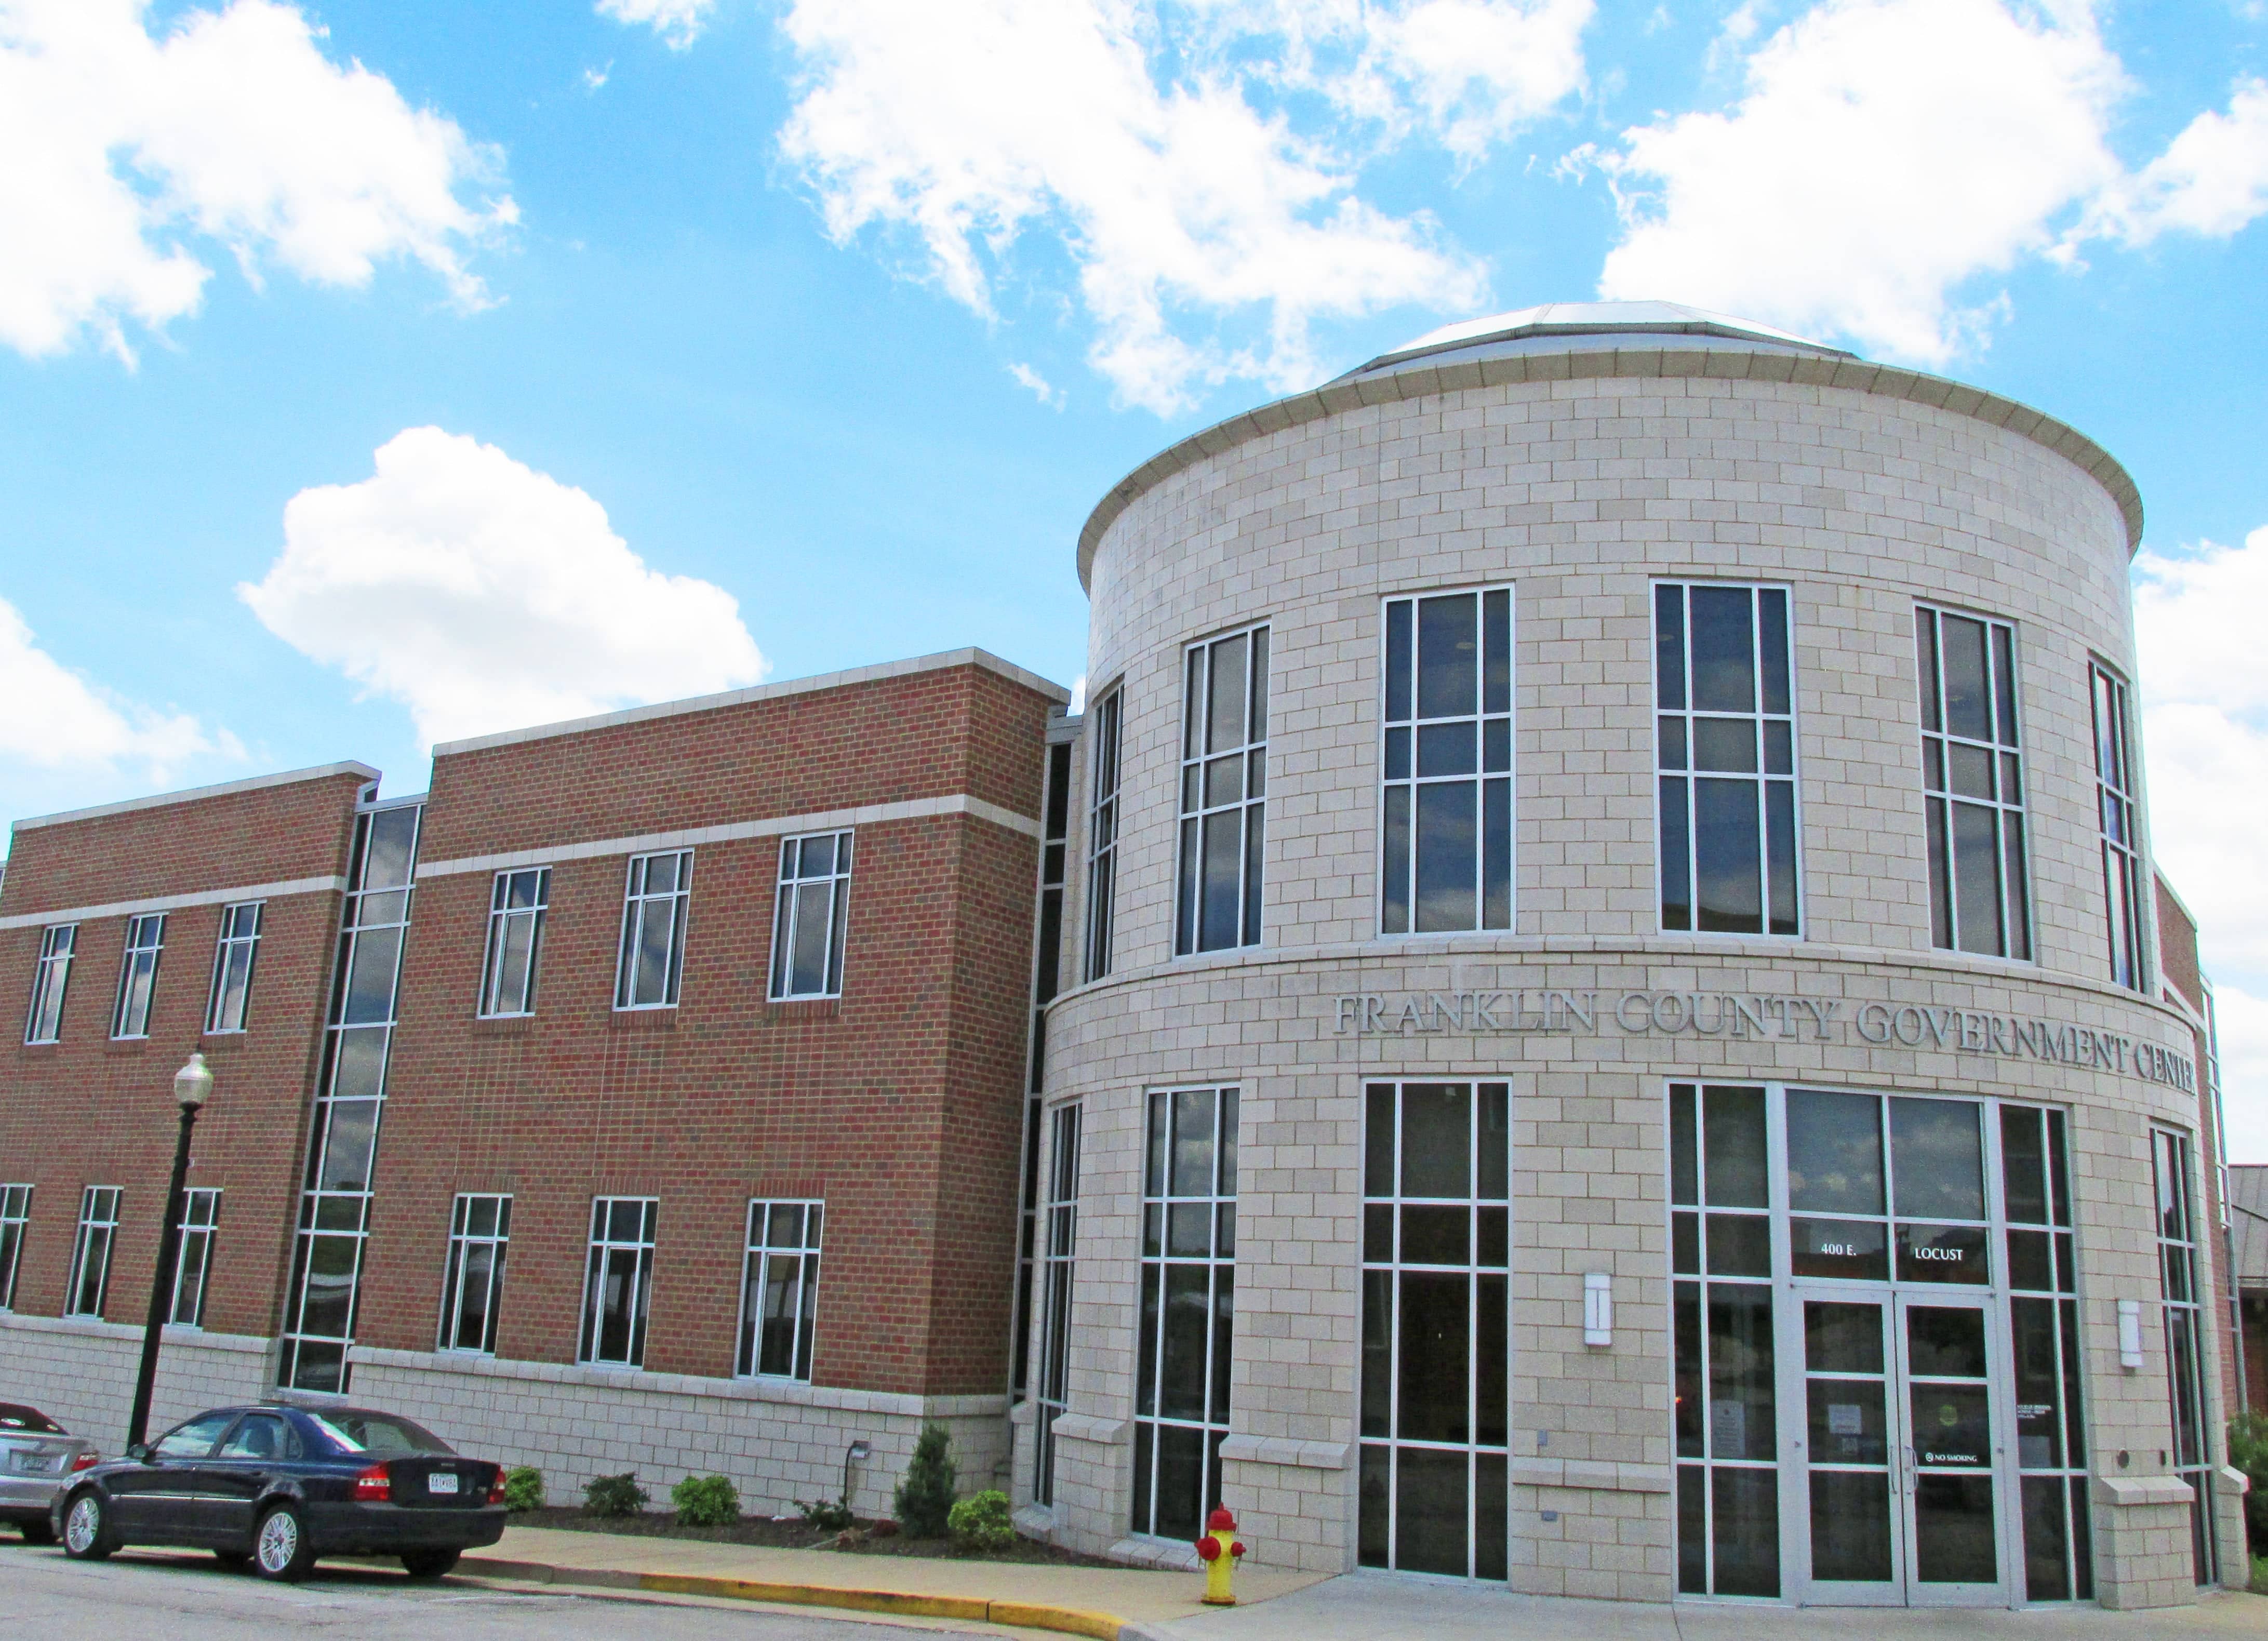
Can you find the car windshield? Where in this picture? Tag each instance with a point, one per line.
(17, 1419)
(378, 1433)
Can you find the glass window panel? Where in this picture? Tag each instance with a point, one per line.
(1430, 1498)
(1723, 649)
(1675, 864)
(1437, 1236)
(1436, 1355)
(1772, 647)
(2023, 1166)
(1437, 1139)
(1684, 1148)
(1725, 744)
(1739, 1245)
(1848, 1425)
(1398, 661)
(1733, 1129)
(1937, 1158)
(1853, 1250)
(1834, 1153)
(1745, 1519)
(1842, 1338)
(1944, 1254)
(1224, 720)
(1670, 742)
(1378, 1140)
(1726, 853)
(1850, 1525)
(1741, 1389)
(1496, 623)
(1446, 749)
(1669, 648)
(1967, 688)
(1926, 648)
(1449, 667)
(1394, 876)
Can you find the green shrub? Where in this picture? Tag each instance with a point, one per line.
(523, 1487)
(923, 1501)
(829, 1515)
(2260, 1575)
(982, 1522)
(705, 1501)
(614, 1496)
(2248, 1451)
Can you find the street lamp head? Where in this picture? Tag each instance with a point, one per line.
(193, 1084)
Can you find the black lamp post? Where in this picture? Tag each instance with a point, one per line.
(192, 1087)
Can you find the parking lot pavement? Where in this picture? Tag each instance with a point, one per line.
(182, 1598)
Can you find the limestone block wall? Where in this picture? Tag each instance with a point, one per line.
(80, 1373)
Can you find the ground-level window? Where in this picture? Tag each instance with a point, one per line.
(1444, 865)
(2179, 1275)
(780, 1290)
(199, 1223)
(89, 1266)
(1188, 1309)
(1863, 1288)
(1062, 1232)
(15, 1218)
(1436, 1343)
(620, 1280)
(472, 1282)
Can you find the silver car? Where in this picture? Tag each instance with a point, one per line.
(37, 1456)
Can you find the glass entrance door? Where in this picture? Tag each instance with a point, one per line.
(1953, 1447)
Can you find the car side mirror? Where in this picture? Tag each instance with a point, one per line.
(139, 1451)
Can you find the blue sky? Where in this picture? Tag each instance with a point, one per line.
(375, 373)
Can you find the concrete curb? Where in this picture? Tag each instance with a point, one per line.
(970, 1609)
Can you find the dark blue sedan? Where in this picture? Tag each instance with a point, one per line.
(278, 1486)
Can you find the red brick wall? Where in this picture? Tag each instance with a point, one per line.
(86, 1111)
(899, 1104)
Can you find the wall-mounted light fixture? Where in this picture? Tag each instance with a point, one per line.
(2130, 1334)
(1598, 1307)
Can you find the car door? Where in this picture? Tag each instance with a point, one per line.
(236, 1473)
(152, 1501)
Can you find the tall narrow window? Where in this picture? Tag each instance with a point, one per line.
(43, 1022)
(1972, 780)
(1446, 863)
(1722, 1318)
(2122, 847)
(342, 1131)
(1101, 831)
(200, 1222)
(89, 1266)
(517, 904)
(15, 1218)
(814, 915)
(620, 1280)
(2044, 1348)
(1224, 792)
(2180, 1277)
(1054, 1345)
(472, 1282)
(780, 1290)
(1047, 971)
(1436, 1412)
(234, 957)
(137, 974)
(656, 896)
(1725, 745)
(1188, 1310)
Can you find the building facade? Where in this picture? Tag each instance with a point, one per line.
(1586, 1007)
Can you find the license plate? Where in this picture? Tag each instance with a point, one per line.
(33, 1464)
(439, 1483)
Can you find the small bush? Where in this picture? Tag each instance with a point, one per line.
(705, 1501)
(829, 1515)
(614, 1496)
(523, 1487)
(923, 1500)
(982, 1522)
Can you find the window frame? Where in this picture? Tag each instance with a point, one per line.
(92, 1224)
(1762, 778)
(636, 898)
(1105, 819)
(758, 1254)
(2117, 794)
(602, 1244)
(1489, 784)
(138, 982)
(1195, 810)
(788, 913)
(228, 944)
(504, 921)
(50, 983)
(198, 1228)
(2190, 1380)
(449, 1328)
(15, 1229)
(1051, 1393)
(2006, 757)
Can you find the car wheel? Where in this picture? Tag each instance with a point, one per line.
(234, 1560)
(37, 1532)
(86, 1528)
(429, 1563)
(280, 1550)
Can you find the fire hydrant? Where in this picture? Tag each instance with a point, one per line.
(1219, 1549)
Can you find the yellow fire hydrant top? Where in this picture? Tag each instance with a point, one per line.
(1219, 1549)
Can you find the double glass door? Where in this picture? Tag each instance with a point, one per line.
(1902, 1449)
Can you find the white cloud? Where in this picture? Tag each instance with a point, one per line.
(678, 22)
(1153, 147)
(56, 720)
(118, 150)
(2197, 617)
(484, 595)
(1885, 157)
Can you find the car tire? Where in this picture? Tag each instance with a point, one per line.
(429, 1563)
(37, 1532)
(280, 1550)
(234, 1560)
(87, 1535)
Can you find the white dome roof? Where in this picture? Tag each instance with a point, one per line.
(1535, 327)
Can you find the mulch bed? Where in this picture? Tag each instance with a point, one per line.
(794, 1534)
